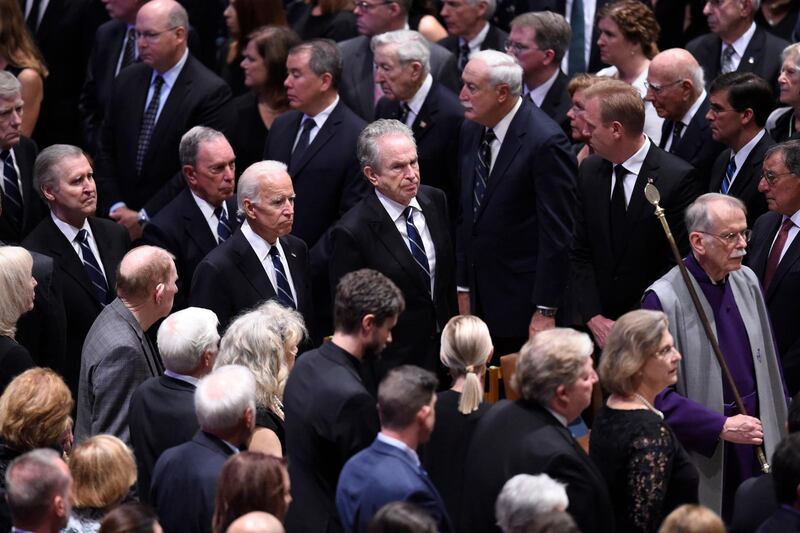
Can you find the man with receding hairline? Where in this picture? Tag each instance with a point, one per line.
(256, 522)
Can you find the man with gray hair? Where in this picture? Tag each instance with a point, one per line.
(469, 29)
(261, 261)
(700, 408)
(517, 179)
(162, 408)
(37, 489)
(402, 67)
(524, 497)
(204, 213)
(185, 477)
(554, 378)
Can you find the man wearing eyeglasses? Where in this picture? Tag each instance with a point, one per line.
(700, 408)
(154, 103)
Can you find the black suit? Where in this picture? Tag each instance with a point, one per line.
(755, 502)
(14, 360)
(231, 278)
(33, 208)
(80, 299)
(181, 229)
(367, 238)
(495, 40)
(524, 438)
(609, 284)
(330, 416)
(557, 102)
(745, 184)
(161, 415)
(198, 98)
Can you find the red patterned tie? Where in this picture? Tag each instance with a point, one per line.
(775, 253)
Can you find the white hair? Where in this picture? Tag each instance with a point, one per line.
(503, 69)
(524, 496)
(185, 335)
(411, 46)
(250, 181)
(223, 396)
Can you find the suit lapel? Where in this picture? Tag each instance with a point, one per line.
(790, 258)
(758, 259)
(751, 168)
(68, 260)
(322, 138)
(250, 266)
(508, 151)
(648, 172)
(753, 52)
(102, 239)
(366, 91)
(437, 227)
(692, 140)
(177, 95)
(195, 225)
(426, 116)
(295, 269)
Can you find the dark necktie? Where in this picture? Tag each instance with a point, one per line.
(284, 291)
(775, 254)
(148, 123)
(12, 204)
(223, 228)
(726, 65)
(416, 245)
(728, 178)
(33, 16)
(577, 58)
(482, 166)
(302, 144)
(677, 129)
(129, 52)
(92, 268)
(618, 210)
(463, 56)
(404, 111)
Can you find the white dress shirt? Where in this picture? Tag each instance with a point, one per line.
(262, 248)
(71, 234)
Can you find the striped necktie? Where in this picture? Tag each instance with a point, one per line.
(417, 246)
(283, 290)
(223, 228)
(92, 268)
(730, 170)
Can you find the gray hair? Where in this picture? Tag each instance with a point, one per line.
(698, 214)
(178, 17)
(222, 397)
(491, 5)
(10, 87)
(552, 358)
(191, 141)
(46, 168)
(791, 155)
(793, 50)
(185, 335)
(553, 32)
(324, 56)
(250, 181)
(15, 282)
(286, 322)
(32, 480)
(367, 149)
(503, 69)
(411, 46)
(524, 496)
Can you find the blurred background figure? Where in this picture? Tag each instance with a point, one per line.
(782, 124)
(256, 522)
(401, 517)
(131, 518)
(691, 518)
(323, 19)
(524, 498)
(579, 134)
(17, 287)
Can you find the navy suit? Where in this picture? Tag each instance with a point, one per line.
(495, 40)
(379, 475)
(33, 208)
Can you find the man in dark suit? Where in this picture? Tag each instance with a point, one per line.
(358, 88)
(676, 87)
(22, 206)
(620, 247)
(518, 179)
(185, 477)
(469, 29)
(203, 214)
(432, 112)
(739, 105)
(261, 261)
(154, 102)
(786, 473)
(539, 41)
(117, 355)
(162, 413)
(330, 415)
(530, 436)
(736, 43)
(38, 490)
(389, 470)
(400, 230)
(79, 244)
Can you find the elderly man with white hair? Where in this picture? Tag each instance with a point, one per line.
(469, 28)
(524, 497)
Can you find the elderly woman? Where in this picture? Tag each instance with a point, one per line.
(783, 123)
(580, 138)
(103, 472)
(131, 518)
(647, 471)
(265, 341)
(628, 34)
(17, 287)
(251, 481)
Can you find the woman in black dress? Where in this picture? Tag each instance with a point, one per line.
(647, 470)
(17, 287)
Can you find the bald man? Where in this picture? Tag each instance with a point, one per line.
(256, 522)
(117, 355)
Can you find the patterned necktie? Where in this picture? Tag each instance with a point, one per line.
(775, 254)
(577, 45)
(404, 111)
(730, 170)
(302, 144)
(148, 123)
(482, 166)
(92, 268)
(726, 65)
(129, 52)
(463, 56)
(618, 210)
(284, 291)
(12, 204)
(677, 129)
(223, 228)
(416, 245)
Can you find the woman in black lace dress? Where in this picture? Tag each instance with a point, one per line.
(647, 470)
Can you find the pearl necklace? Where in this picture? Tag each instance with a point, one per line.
(648, 405)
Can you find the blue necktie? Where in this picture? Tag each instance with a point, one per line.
(302, 144)
(12, 204)
(148, 123)
(482, 166)
(223, 229)
(93, 269)
(284, 291)
(463, 56)
(577, 46)
(417, 247)
(729, 172)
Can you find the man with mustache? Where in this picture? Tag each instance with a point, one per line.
(700, 408)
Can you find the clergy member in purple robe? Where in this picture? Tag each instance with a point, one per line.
(700, 408)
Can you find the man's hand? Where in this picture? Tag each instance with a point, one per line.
(130, 219)
(463, 303)
(600, 327)
(742, 429)
(539, 323)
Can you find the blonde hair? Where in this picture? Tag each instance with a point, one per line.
(689, 518)
(466, 345)
(16, 265)
(103, 471)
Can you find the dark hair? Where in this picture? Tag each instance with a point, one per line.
(253, 14)
(402, 393)
(746, 91)
(790, 150)
(130, 517)
(786, 469)
(401, 517)
(324, 57)
(249, 481)
(273, 44)
(793, 416)
(365, 292)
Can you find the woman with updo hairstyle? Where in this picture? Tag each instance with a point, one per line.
(103, 472)
(628, 34)
(17, 289)
(131, 518)
(646, 469)
(251, 481)
(465, 351)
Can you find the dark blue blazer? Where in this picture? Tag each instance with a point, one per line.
(33, 208)
(379, 475)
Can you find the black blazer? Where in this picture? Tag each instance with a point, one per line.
(198, 98)
(80, 300)
(181, 229)
(495, 40)
(14, 360)
(557, 102)
(367, 238)
(515, 254)
(603, 283)
(745, 184)
(754, 504)
(524, 438)
(231, 278)
(33, 208)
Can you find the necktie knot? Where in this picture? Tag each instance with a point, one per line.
(408, 212)
(274, 252)
(158, 83)
(83, 236)
(5, 155)
(787, 224)
(489, 137)
(620, 172)
(308, 124)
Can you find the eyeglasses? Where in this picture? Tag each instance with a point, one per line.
(366, 7)
(151, 36)
(666, 351)
(714, 109)
(771, 177)
(516, 47)
(655, 88)
(731, 238)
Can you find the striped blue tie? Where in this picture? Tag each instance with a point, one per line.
(223, 228)
(12, 196)
(416, 245)
(482, 166)
(93, 269)
(730, 170)
(284, 291)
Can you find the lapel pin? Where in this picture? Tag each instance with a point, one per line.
(423, 124)
(751, 60)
